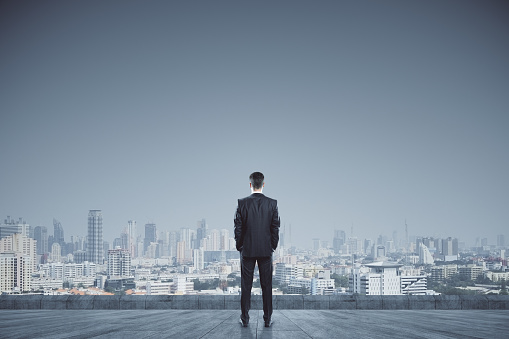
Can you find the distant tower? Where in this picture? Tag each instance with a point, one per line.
(500, 240)
(290, 235)
(58, 232)
(131, 237)
(201, 232)
(150, 236)
(95, 246)
(407, 244)
(338, 240)
(282, 236)
(41, 236)
(56, 252)
(316, 244)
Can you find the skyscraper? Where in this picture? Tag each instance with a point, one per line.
(214, 241)
(338, 240)
(131, 237)
(173, 240)
(316, 244)
(58, 232)
(150, 236)
(224, 242)
(56, 252)
(425, 256)
(201, 232)
(95, 248)
(198, 261)
(22, 244)
(500, 240)
(186, 236)
(41, 236)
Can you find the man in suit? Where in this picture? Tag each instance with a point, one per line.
(256, 237)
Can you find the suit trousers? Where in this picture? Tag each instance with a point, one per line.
(247, 265)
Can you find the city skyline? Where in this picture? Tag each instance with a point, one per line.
(362, 114)
(150, 232)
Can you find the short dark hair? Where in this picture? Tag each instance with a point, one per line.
(256, 179)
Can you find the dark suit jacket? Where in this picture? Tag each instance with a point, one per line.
(256, 226)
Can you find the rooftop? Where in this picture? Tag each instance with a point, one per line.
(295, 324)
(295, 316)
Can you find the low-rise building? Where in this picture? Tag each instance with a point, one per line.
(497, 276)
(158, 288)
(470, 272)
(378, 278)
(443, 272)
(286, 272)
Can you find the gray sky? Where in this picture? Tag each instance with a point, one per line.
(359, 113)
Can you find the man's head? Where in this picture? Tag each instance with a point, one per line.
(256, 179)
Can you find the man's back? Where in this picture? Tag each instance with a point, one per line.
(256, 236)
(257, 225)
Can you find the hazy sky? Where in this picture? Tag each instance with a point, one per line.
(359, 113)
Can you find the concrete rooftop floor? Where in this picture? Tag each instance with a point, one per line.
(293, 324)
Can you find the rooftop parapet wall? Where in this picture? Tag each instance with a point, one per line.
(232, 302)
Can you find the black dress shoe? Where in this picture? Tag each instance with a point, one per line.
(243, 323)
(268, 322)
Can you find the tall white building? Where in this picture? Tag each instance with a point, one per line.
(184, 254)
(224, 241)
(354, 245)
(131, 237)
(378, 278)
(15, 272)
(425, 256)
(20, 243)
(152, 250)
(18, 259)
(56, 251)
(186, 235)
(212, 242)
(119, 262)
(198, 259)
(95, 244)
(173, 239)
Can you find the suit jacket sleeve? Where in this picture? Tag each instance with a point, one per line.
(274, 227)
(237, 220)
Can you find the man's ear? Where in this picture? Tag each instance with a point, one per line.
(250, 185)
(263, 185)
